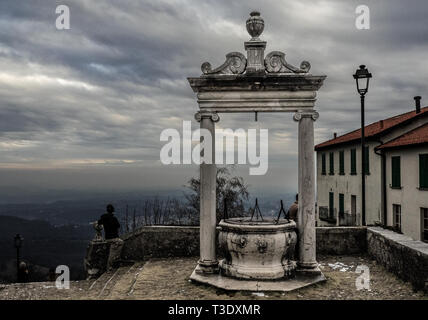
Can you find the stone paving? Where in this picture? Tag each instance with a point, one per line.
(169, 279)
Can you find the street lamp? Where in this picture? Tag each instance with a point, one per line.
(362, 78)
(18, 244)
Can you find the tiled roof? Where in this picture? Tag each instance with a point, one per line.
(416, 136)
(374, 129)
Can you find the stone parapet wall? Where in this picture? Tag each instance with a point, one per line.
(183, 241)
(341, 240)
(160, 242)
(400, 254)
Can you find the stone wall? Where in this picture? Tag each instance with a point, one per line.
(161, 241)
(174, 241)
(341, 240)
(400, 254)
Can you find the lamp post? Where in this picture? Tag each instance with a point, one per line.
(362, 77)
(18, 244)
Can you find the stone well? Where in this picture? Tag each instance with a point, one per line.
(262, 250)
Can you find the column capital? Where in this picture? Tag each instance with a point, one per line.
(305, 114)
(206, 114)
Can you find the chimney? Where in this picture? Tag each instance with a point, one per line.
(335, 135)
(418, 104)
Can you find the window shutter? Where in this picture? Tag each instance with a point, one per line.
(396, 172)
(323, 164)
(342, 162)
(331, 163)
(353, 161)
(423, 170)
(331, 204)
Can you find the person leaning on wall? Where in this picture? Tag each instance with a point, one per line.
(111, 234)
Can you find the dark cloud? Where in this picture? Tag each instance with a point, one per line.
(102, 92)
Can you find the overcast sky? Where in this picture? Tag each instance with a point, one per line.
(84, 108)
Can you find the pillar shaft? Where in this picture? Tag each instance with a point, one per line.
(306, 170)
(208, 262)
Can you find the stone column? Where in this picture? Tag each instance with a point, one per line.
(306, 169)
(208, 262)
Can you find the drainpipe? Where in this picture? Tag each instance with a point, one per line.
(383, 178)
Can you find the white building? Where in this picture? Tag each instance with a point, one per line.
(407, 183)
(339, 171)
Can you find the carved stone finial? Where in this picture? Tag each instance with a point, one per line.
(255, 25)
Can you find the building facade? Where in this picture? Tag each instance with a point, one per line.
(407, 183)
(339, 172)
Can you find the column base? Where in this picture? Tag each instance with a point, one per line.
(307, 265)
(308, 268)
(207, 267)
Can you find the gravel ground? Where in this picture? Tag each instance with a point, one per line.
(168, 279)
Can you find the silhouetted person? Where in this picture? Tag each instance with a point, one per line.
(294, 209)
(111, 233)
(23, 273)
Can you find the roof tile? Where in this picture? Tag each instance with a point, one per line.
(416, 136)
(373, 129)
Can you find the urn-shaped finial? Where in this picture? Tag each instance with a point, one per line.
(255, 25)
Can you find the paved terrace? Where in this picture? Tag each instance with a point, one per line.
(169, 279)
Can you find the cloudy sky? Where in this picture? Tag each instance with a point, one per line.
(83, 108)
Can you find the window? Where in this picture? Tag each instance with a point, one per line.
(396, 172)
(342, 162)
(366, 160)
(323, 165)
(396, 210)
(423, 171)
(353, 161)
(341, 203)
(331, 204)
(424, 224)
(331, 159)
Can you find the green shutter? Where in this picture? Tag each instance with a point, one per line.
(423, 171)
(331, 158)
(342, 162)
(323, 164)
(353, 161)
(396, 172)
(331, 204)
(366, 160)
(341, 203)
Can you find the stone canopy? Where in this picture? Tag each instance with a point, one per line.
(256, 83)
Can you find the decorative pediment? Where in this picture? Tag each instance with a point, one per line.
(235, 64)
(275, 63)
(255, 63)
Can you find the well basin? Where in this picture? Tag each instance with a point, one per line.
(262, 250)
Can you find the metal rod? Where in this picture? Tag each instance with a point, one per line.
(281, 210)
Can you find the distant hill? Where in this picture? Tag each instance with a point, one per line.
(44, 247)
